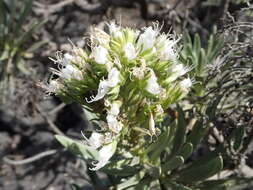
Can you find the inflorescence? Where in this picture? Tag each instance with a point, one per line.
(128, 78)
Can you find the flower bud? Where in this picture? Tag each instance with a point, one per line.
(152, 125)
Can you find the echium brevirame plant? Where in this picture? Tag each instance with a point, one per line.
(128, 79)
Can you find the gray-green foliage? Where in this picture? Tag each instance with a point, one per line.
(14, 40)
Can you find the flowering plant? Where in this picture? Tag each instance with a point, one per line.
(129, 80)
(134, 76)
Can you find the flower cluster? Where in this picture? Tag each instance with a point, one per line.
(128, 78)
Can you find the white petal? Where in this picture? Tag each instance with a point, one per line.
(167, 47)
(115, 30)
(100, 54)
(168, 54)
(177, 70)
(129, 51)
(113, 77)
(70, 72)
(186, 84)
(152, 85)
(113, 124)
(67, 59)
(105, 153)
(96, 140)
(103, 88)
(147, 39)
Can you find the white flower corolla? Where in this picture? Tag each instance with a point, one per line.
(104, 155)
(113, 124)
(168, 53)
(105, 85)
(103, 88)
(129, 51)
(113, 77)
(114, 30)
(67, 58)
(152, 85)
(100, 54)
(95, 141)
(152, 125)
(166, 48)
(147, 38)
(185, 84)
(177, 70)
(70, 72)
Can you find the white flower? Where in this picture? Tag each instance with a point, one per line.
(105, 153)
(113, 77)
(70, 72)
(147, 39)
(168, 53)
(177, 70)
(105, 85)
(152, 85)
(113, 124)
(185, 84)
(129, 51)
(100, 54)
(103, 88)
(167, 48)
(67, 58)
(96, 140)
(115, 30)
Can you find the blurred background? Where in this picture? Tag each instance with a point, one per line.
(31, 31)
